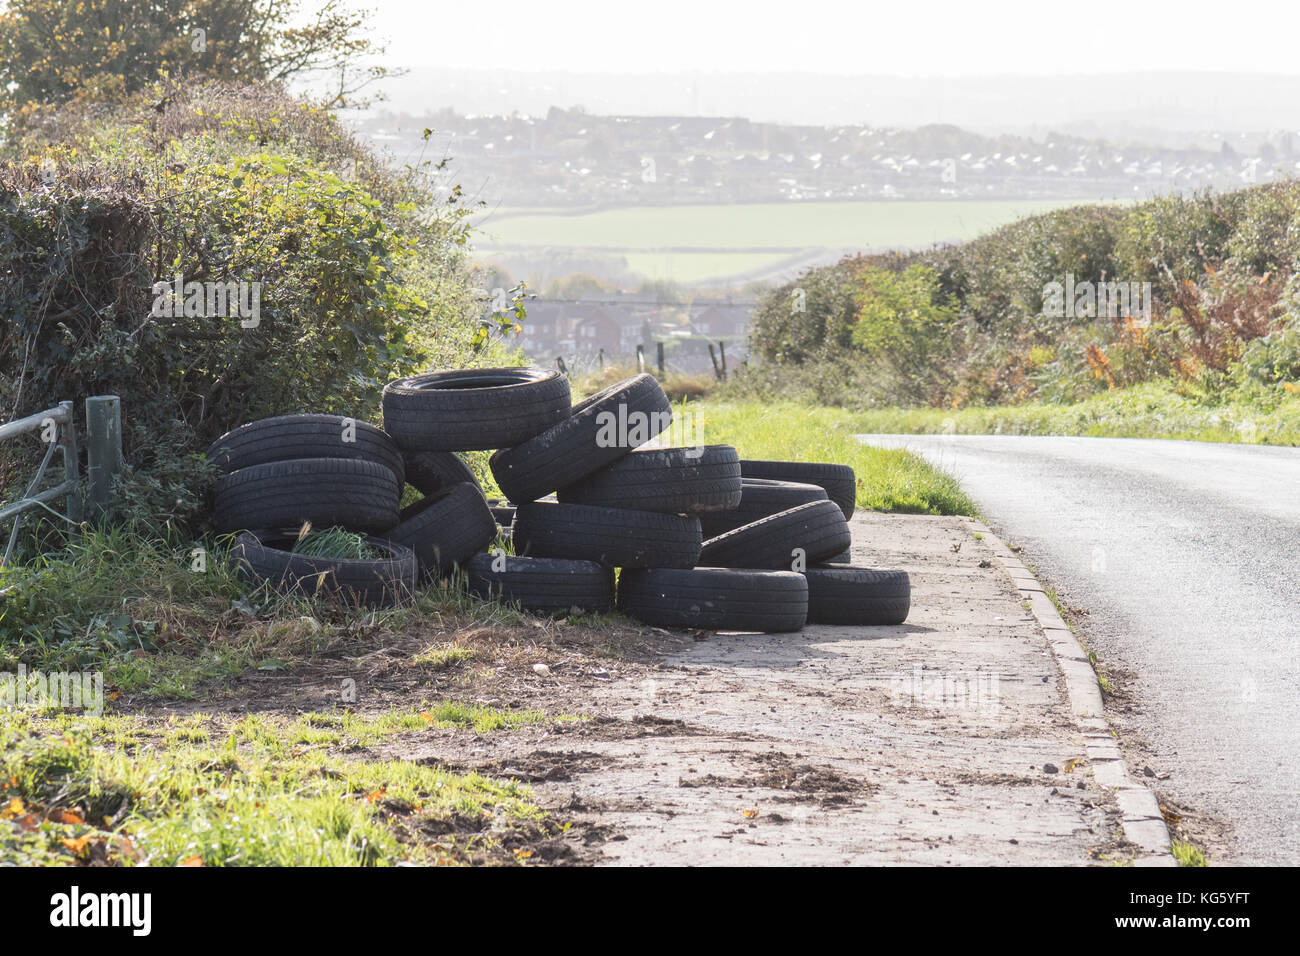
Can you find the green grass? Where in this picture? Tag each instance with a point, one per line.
(134, 607)
(1188, 854)
(113, 595)
(888, 480)
(260, 791)
(444, 657)
(1153, 410)
(334, 543)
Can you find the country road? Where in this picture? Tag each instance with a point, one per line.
(1186, 556)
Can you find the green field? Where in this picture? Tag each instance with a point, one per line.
(703, 266)
(697, 242)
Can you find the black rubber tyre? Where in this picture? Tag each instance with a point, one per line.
(858, 596)
(760, 498)
(357, 495)
(844, 557)
(545, 585)
(615, 536)
(446, 528)
(818, 528)
(474, 409)
(667, 480)
(583, 443)
(840, 483)
(265, 556)
(428, 472)
(287, 437)
(716, 599)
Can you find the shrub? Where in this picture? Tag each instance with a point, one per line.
(1216, 263)
(905, 323)
(804, 318)
(361, 274)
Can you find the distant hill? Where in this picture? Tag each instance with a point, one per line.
(1118, 107)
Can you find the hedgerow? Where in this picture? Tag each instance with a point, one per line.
(356, 270)
(1218, 267)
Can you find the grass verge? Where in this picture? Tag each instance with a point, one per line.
(888, 479)
(263, 790)
(1153, 410)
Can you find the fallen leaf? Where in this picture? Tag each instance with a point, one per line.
(749, 814)
(77, 846)
(191, 861)
(65, 816)
(375, 795)
(1074, 762)
(14, 808)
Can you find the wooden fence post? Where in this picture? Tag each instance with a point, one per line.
(103, 450)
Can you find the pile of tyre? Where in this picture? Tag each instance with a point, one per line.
(675, 537)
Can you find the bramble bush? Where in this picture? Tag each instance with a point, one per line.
(361, 269)
(1218, 266)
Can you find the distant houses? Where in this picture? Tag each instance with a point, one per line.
(572, 158)
(723, 318)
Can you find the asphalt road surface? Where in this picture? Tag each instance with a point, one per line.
(1187, 557)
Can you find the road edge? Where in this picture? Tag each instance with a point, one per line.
(1143, 823)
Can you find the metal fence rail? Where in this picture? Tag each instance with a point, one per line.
(58, 429)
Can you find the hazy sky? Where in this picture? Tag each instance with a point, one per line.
(908, 37)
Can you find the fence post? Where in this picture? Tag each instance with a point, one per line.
(559, 363)
(659, 357)
(640, 358)
(713, 357)
(103, 450)
(722, 352)
(71, 463)
(600, 357)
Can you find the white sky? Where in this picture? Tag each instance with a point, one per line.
(904, 37)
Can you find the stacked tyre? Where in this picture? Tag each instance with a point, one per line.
(566, 551)
(768, 564)
(698, 537)
(278, 475)
(435, 415)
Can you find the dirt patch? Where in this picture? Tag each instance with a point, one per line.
(534, 767)
(779, 771)
(495, 665)
(826, 746)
